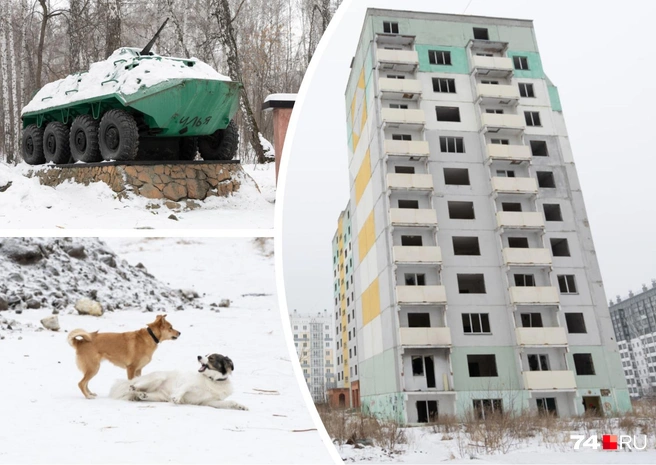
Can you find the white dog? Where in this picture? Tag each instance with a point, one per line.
(210, 386)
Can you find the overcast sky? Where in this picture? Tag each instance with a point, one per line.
(602, 61)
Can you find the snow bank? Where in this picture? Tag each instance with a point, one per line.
(28, 204)
(124, 72)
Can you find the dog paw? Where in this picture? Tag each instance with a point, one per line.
(176, 400)
(132, 388)
(141, 395)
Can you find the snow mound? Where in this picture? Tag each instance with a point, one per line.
(55, 273)
(124, 72)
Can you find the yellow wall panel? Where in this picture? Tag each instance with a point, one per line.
(370, 303)
(363, 176)
(366, 237)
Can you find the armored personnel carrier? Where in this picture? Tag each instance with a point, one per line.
(135, 105)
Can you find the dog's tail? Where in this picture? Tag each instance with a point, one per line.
(79, 336)
(121, 390)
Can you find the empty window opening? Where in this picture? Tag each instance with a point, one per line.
(404, 169)
(395, 76)
(399, 106)
(584, 364)
(409, 204)
(452, 144)
(567, 283)
(471, 284)
(547, 406)
(476, 323)
(439, 57)
(411, 241)
(444, 85)
(448, 114)
(511, 207)
(500, 141)
(482, 365)
(559, 248)
(456, 176)
(494, 111)
(524, 280)
(424, 366)
(575, 323)
(531, 320)
(532, 118)
(418, 366)
(401, 137)
(520, 62)
(415, 279)
(506, 173)
(546, 179)
(486, 407)
(461, 210)
(539, 148)
(538, 362)
(466, 246)
(390, 27)
(484, 54)
(427, 411)
(518, 242)
(481, 33)
(552, 212)
(419, 320)
(487, 81)
(526, 90)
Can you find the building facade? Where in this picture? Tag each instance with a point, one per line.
(313, 339)
(473, 270)
(634, 322)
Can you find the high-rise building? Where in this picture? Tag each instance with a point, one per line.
(474, 275)
(634, 321)
(313, 339)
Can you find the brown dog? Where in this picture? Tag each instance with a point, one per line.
(132, 350)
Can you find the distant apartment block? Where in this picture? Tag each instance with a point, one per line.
(634, 321)
(465, 275)
(313, 339)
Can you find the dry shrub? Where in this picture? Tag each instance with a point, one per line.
(446, 424)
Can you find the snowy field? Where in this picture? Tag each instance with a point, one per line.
(26, 204)
(425, 446)
(45, 418)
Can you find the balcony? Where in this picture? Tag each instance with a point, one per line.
(407, 148)
(514, 185)
(420, 182)
(497, 94)
(416, 254)
(546, 295)
(399, 89)
(541, 336)
(495, 123)
(526, 257)
(425, 337)
(414, 119)
(511, 153)
(413, 217)
(520, 220)
(397, 60)
(492, 66)
(421, 295)
(549, 380)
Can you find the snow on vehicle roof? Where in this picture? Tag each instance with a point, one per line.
(125, 72)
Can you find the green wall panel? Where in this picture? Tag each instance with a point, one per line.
(554, 97)
(534, 70)
(506, 369)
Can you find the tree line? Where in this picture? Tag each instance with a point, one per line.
(264, 44)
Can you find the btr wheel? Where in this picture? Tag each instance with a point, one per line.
(55, 143)
(33, 145)
(118, 135)
(83, 139)
(188, 148)
(222, 145)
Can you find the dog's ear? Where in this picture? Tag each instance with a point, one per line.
(230, 364)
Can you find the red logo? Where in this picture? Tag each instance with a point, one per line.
(609, 442)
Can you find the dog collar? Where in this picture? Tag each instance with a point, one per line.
(150, 331)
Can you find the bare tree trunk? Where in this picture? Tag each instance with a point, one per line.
(15, 95)
(227, 39)
(42, 38)
(113, 37)
(4, 75)
(179, 29)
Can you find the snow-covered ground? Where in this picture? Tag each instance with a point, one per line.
(26, 204)
(45, 418)
(426, 446)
